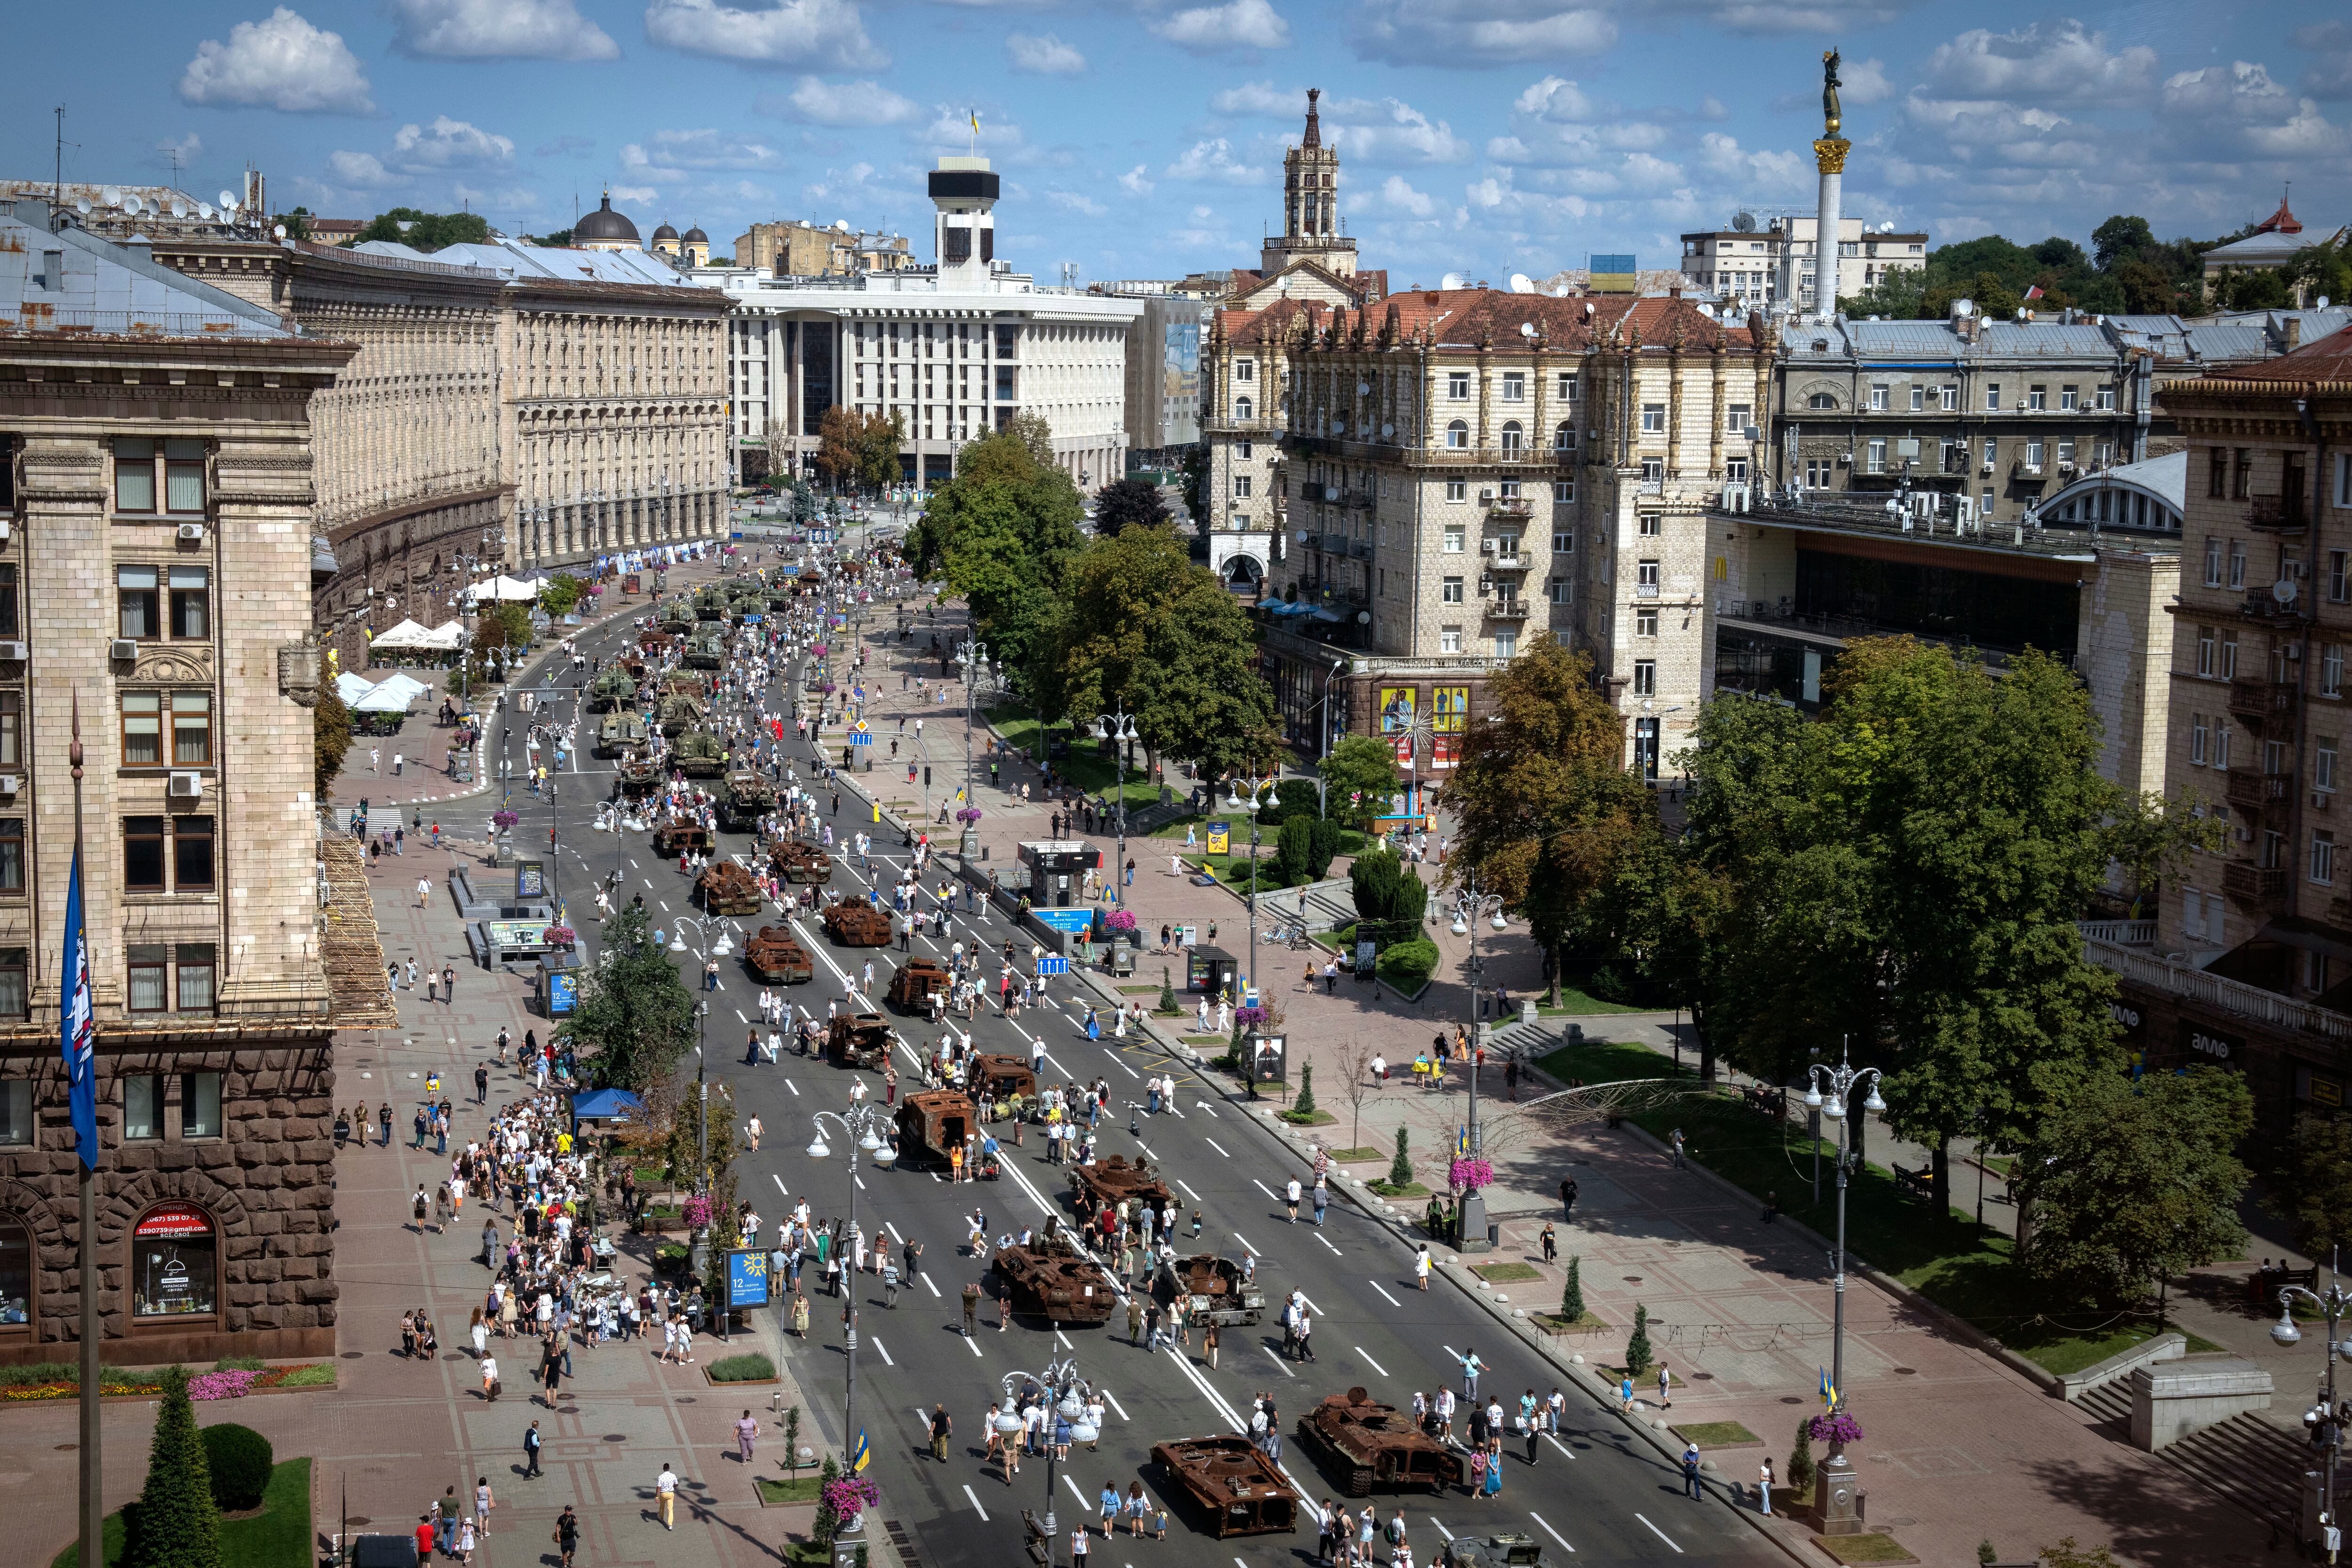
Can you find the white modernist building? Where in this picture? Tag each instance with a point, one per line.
(955, 349)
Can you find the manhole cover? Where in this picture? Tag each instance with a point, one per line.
(686, 1399)
(67, 1448)
(1632, 1279)
(359, 1518)
(1906, 1372)
(1702, 1377)
(454, 1355)
(355, 1356)
(615, 1438)
(1790, 1399)
(567, 1410)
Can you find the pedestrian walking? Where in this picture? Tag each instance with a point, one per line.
(665, 1496)
(1568, 1190)
(483, 1503)
(567, 1534)
(746, 1429)
(1690, 1473)
(1290, 1199)
(942, 1428)
(531, 1442)
(972, 1311)
(1764, 1486)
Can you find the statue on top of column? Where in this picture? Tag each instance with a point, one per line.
(1832, 116)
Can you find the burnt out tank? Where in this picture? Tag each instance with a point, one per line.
(1053, 1280)
(1108, 1181)
(1366, 1444)
(797, 862)
(1001, 1077)
(700, 754)
(727, 889)
(858, 1039)
(934, 1121)
(1215, 1289)
(1236, 1489)
(679, 713)
(749, 798)
(1510, 1549)
(637, 777)
(776, 957)
(853, 924)
(917, 980)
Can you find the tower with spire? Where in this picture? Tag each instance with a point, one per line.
(1310, 206)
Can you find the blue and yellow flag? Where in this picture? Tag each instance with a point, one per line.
(859, 1455)
(1829, 1390)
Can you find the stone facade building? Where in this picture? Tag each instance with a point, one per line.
(155, 592)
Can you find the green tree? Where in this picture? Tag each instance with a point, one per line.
(1130, 503)
(635, 1019)
(1390, 895)
(1401, 1167)
(2240, 288)
(1306, 1103)
(2311, 1187)
(240, 1461)
(1196, 485)
(1549, 812)
(560, 594)
(1800, 1457)
(1199, 697)
(426, 231)
(2119, 240)
(1900, 296)
(1322, 847)
(1360, 778)
(330, 738)
(878, 463)
(1638, 1354)
(1293, 846)
(176, 1523)
(1572, 1292)
(297, 222)
(555, 239)
(2133, 1182)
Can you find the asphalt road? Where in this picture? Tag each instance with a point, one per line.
(1595, 1494)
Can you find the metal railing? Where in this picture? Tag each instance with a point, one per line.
(1880, 522)
(2122, 933)
(2257, 790)
(2253, 884)
(2282, 512)
(1645, 591)
(1508, 610)
(2235, 996)
(140, 324)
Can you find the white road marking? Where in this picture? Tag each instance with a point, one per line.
(1245, 1241)
(1188, 1187)
(1334, 1251)
(740, 1018)
(1202, 1105)
(1264, 1189)
(974, 1345)
(926, 1278)
(1083, 1503)
(1140, 1145)
(793, 1087)
(1375, 1365)
(1278, 1361)
(1065, 1343)
(1556, 1443)
(1653, 1529)
(880, 1351)
(860, 1181)
(633, 862)
(1114, 1403)
(1131, 1073)
(1434, 1520)
(975, 1504)
(1216, 1146)
(1391, 1301)
(1556, 1535)
(780, 1183)
(894, 1233)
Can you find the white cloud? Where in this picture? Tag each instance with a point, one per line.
(1261, 98)
(1387, 130)
(1865, 82)
(2237, 108)
(1769, 172)
(829, 34)
(673, 152)
(949, 130)
(281, 63)
(1396, 196)
(2048, 62)
(858, 103)
(448, 143)
(853, 184)
(2330, 44)
(501, 30)
(190, 148)
(1071, 201)
(1559, 101)
(1134, 181)
(1237, 25)
(1823, 17)
(1474, 32)
(364, 169)
(636, 194)
(1213, 160)
(1044, 54)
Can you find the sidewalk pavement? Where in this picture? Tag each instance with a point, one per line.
(394, 1433)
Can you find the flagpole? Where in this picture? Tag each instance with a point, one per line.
(93, 1493)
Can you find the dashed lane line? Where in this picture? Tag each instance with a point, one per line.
(1391, 1301)
(1375, 1365)
(1645, 1518)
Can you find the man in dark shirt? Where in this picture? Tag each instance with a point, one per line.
(942, 1426)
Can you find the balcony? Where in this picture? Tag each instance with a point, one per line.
(2276, 514)
(1649, 487)
(2246, 883)
(2253, 792)
(1360, 549)
(1645, 591)
(1511, 506)
(1512, 562)
(1507, 609)
(1257, 424)
(2261, 700)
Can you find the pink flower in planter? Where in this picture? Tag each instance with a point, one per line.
(1249, 1015)
(1469, 1175)
(232, 1385)
(561, 936)
(700, 1211)
(1121, 920)
(969, 814)
(1838, 1428)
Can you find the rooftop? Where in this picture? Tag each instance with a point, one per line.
(1887, 519)
(100, 287)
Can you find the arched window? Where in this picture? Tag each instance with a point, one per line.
(1821, 400)
(1564, 438)
(1511, 437)
(1458, 434)
(1241, 408)
(174, 1265)
(15, 1277)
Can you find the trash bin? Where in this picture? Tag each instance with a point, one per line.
(1122, 960)
(1494, 1233)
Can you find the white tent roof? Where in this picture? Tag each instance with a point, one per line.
(407, 687)
(384, 699)
(407, 634)
(448, 635)
(502, 587)
(351, 688)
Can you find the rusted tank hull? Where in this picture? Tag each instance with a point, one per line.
(1108, 1181)
(1365, 1444)
(1215, 1290)
(933, 1124)
(858, 926)
(778, 958)
(917, 980)
(858, 1039)
(1056, 1284)
(727, 889)
(1236, 1489)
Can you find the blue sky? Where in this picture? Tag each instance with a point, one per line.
(1143, 138)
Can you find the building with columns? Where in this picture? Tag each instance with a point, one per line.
(157, 477)
(955, 349)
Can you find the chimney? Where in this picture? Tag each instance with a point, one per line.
(2293, 333)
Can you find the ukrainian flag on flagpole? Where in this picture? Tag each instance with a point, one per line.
(1829, 1390)
(860, 1454)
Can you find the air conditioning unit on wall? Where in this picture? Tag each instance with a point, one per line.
(186, 786)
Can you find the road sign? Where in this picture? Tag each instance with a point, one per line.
(1052, 964)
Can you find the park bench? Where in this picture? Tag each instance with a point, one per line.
(1914, 1184)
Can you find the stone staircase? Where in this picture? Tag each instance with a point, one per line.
(2248, 1459)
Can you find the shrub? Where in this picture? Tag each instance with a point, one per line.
(1306, 1106)
(1571, 1291)
(1293, 847)
(241, 1461)
(1800, 1457)
(1401, 1168)
(175, 1523)
(752, 1368)
(1322, 845)
(1608, 985)
(1407, 964)
(1638, 1354)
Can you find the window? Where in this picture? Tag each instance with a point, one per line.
(1506, 547)
(1240, 487)
(1563, 542)
(1563, 437)
(12, 729)
(194, 962)
(2192, 913)
(1457, 489)
(2344, 478)
(1454, 539)
(1568, 386)
(1645, 677)
(1992, 453)
(1878, 400)
(148, 965)
(2037, 399)
(192, 854)
(16, 1128)
(1561, 590)
(1654, 419)
(2237, 564)
(1876, 457)
(2241, 480)
(1645, 578)
(1507, 644)
(1513, 436)
(1821, 400)
(1243, 408)
(2216, 473)
(1242, 449)
(2338, 582)
(2323, 763)
(1449, 639)
(1735, 419)
(7, 595)
(143, 854)
(1245, 370)
(1992, 397)
(174, 1264)
(137, 596)
(1457, 435)
(2321, 867)
(191, 729)
(2066, 454)
(1645, 623)
(1650, 525)
(2331, 669)
(1818, 473)
(2067, 399)
(1951, 398)
(143, 1107)
(184, 476)
(2033, 455)
(1515, 386)
(2198, 735)
(1458, 385)
(2221, 744)
(1563, 492)
(1450, 591)
(142, 729)
(1735, 470)
(2208, 658)
(134, 474)
(2107, 398)
(2229, 670)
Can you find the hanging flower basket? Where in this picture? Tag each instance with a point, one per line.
(969, 815)
(1469, 1175)
(504, 821)
(1121, 920)
(1838, 1428)
(560, 936)
(699, 1212)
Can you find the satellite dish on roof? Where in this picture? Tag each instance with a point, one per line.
(2283, 591)
(81, 206)
(1743, 223)
(179, 208)
(841, 225)
(1561, 291)
(1454, 280)
(204, 211)
(1522, 284)
(110, 196)
(227, 201)
(279, 231)
(1526, 329)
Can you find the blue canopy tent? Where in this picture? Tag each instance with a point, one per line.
(605, 1105)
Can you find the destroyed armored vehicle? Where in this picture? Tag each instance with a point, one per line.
(917, 980)
(700, 754)
(681, 838)
(798, 862)
(749, 798)
(746, 599)
(710, 602)
(1001, 1077)
(1366, 1444)
(857, 924)
(621, 735)
(679, 713)
(1108, 1181)
(777, 958)
(1512, 1549)
(1215, 1289)
(610, 690)
(1236, 1489)
(934, 1123)
(858, 1039)
(1053, 1280)
(637, 777)
(707, 648)
(676, 616)
(727, 889)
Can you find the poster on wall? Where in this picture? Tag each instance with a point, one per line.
(746, 1276)
(1398, 708)
(173, 1263)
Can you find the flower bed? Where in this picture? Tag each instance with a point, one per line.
(114, 1383)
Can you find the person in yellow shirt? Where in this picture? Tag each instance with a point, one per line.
(562, 1142)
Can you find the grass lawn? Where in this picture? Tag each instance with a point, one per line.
(1717, 1435)
(1552, 1322)
(1574, 1003)
(1864, 1548)
(1960, 1266)
(1358, 1155)
(1317, 1118)
(276, 1536)
(1083, 766)
(1385, 1189)
(1605, 1061)
(776, 1494)
(1505, 1273)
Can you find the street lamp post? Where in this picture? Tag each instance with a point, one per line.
(1470, 906)
(973, 656)
(1258, 793)
(1117, 725)
(1323, 753)
(706, 949)
(2325, 1420)
(1066, 1394)
(858, 1125)
(1833, 1494)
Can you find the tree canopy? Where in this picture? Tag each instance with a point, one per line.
(426, 231)
(1129, 503)
(1360, 778)
(2127, 269)
(635, 1019)
(1003, 533)
(859, 450)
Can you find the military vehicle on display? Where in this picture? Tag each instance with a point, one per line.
(746, 599)
(610, 690)
(999, 1077)
(677, 615)
(1108, 1181)
(1236, 1489)
(857, 924)
(707, 648)
(776, 957)
(1368, 1444)
(727, 889)
(621, 735)
(1512, 1549)
(933, 1124)
(859, 1039)
(679, 837)
(700, 754)
(679, 713)
(749, 798)
(917, 980)
(797, 862)
(710, 602)
(1053, 1280)
(638, 777)
(1213, 1289)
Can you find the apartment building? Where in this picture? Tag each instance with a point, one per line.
(1754, 265)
